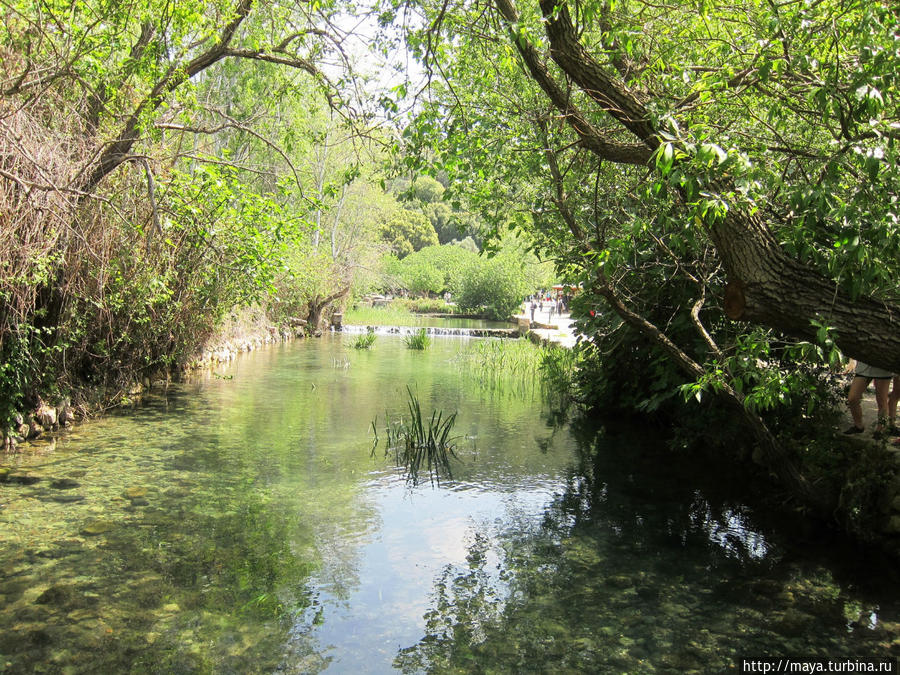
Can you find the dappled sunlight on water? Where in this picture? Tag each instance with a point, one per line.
(241, 524)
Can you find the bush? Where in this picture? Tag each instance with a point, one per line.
(496, 286)
(434, 269)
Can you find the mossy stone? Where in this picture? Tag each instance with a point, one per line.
(96, 526)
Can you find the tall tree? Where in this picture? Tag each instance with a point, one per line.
(771, 129)
(685, 166)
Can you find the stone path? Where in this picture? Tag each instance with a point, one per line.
(556, 329)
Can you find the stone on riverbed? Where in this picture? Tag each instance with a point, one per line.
(96, 526)
(66, 499)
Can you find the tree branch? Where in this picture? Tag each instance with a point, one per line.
(589, 136)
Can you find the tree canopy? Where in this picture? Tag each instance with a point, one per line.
(769, 132)
(723, 178)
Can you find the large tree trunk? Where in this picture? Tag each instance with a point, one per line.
(317, 307)
(765, 286)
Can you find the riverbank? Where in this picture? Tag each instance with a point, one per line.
(244, 331)
(870, 474)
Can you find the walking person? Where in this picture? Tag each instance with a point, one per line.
(863, 374)
(893, 398)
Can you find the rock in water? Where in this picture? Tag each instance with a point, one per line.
(96, 526)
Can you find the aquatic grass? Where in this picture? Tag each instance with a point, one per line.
(520, 368)
(364, 341)
(391, 315)
(558, 366)
(420, 442)
(503, 365)
(558, 369)
(418, 340)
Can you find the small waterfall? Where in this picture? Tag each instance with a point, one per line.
(431, 330)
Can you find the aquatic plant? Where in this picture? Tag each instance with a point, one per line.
(418, 442)
(418, 340)
(558, 369)
(391, 315)
(364, 341)
(507, 366)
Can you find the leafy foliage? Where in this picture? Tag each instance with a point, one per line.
(780, 112)
(496, 285)
(407, 231)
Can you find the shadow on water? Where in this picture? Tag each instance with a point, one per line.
(243, 527)
(639, 565)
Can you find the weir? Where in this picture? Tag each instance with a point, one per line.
(434, 331)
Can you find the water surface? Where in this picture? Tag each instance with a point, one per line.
(241, 524)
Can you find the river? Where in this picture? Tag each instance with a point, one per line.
(241, 523)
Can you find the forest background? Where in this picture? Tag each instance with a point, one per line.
(720, 180)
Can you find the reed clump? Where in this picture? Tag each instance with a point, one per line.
(419, 443)
(364, 341)
(520, 368)
(418, 340)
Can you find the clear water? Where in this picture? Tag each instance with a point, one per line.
(242, 525)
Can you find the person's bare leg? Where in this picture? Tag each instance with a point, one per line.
(892, 403)
(854, 399)
(882, 394)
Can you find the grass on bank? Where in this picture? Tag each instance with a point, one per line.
(400, 312)
(520, 367)
(389, 315)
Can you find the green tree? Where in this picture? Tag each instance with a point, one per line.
(497, 285)
(435, 269)
(406, 231)
(690, 169)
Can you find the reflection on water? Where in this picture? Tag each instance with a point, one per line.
(241, 526)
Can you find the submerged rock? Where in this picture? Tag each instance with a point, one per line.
(135, 492)
(64, 484)
(66, 499)
(619, 581)
(56, 595)
(24, 478)
(97, 526)
(794, 623)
